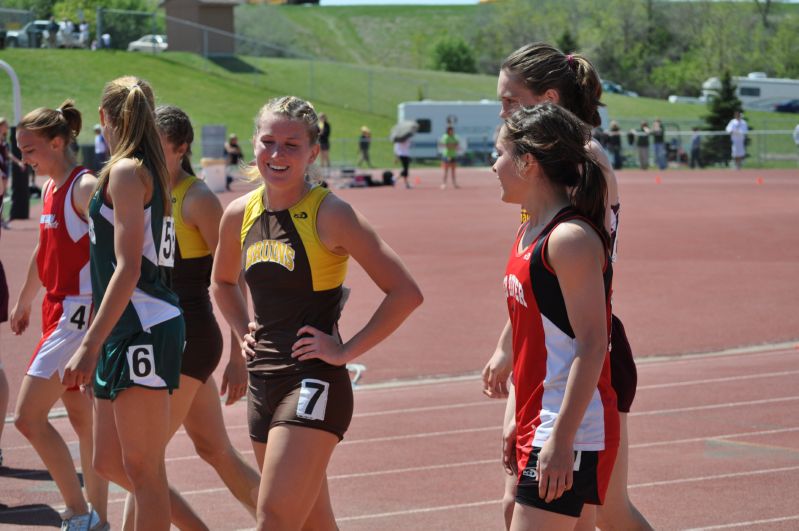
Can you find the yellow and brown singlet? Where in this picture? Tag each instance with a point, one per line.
(191, 278)
(293, 278)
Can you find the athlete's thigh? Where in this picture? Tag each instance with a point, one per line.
(204, 422)
(37, 396)
(527, 518)
(321, 517)
(294, 465)
(181, 401)
(142, 421)
(107, 452)
(78, 404)
(259, 449)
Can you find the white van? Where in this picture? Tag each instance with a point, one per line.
(757, 91)
(475, 124)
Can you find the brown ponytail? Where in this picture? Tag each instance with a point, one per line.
(176, 126)
(128, 104)
(64, 122)
(542, 67)
(557, 139)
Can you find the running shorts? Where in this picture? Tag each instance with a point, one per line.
(623, 374)
(147, 359)
(203, 346)
(64, 323)
(590, 483)
(320, 399)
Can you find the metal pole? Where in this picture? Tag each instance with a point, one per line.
(370, 89)
(99, 31)
(153, 31)
(20, 194)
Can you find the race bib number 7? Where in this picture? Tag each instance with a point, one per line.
(166, 248)
(313, 399)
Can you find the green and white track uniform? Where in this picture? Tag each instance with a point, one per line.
(146, 344)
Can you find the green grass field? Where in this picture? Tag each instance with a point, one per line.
(230, 92)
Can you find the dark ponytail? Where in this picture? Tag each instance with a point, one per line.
(557, 140)
(176, 125)
(65, 122)
(541, 67)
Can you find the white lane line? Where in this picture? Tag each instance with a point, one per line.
(415, 469)
(714, 477)
(714, 406)
(714, 437)
(419, 510)
(747, 524)
(421, 409)
(717, 380)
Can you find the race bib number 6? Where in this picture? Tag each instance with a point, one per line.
(313, 399)
(166, 248)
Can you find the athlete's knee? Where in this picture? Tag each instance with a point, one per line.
(276, 514)
(210, 451)
(81, 422)
(30, 425)
(508, 503)
(108, 467)
(142, 469)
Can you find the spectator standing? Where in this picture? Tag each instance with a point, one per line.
(659, 141)
(737, 128)
(642, 144)
(324, 143)
(83, 35)
(100, 148)
(448, 145)
(402, 150)
(614, 144)
(796, 139)
(52, 31)
(696, 142)
(232, 158)
(364, 143)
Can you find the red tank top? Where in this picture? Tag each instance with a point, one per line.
(544, 348)
(63, 258)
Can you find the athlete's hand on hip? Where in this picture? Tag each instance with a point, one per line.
(20, 318)
(318, 346)
(248, 345)
(234, 380)
(509, 448)
(496, 373)
(80, 367)
(555, 469)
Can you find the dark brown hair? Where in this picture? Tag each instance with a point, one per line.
(176, 126)
(542, 67)
(64, 122)
(556, 138)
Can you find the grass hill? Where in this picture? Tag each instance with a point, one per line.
(231, 91)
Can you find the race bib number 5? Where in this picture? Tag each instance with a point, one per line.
(166, 249)
(313, 399)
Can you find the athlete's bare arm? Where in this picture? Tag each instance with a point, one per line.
(601, 158)
(499, 366)
(202, 210)
(82, 193)
(227, 270)
(343, 231)
(577, 256)
(20, 315)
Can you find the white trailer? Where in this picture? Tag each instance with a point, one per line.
(756, 90)
(475, 123)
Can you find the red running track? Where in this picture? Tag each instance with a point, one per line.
(708, 261)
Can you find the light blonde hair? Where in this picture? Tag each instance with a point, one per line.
(290, 107)
(129, 106)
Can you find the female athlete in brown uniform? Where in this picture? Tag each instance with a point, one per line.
(292, 241)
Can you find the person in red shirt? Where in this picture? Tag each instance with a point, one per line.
(60, 263)
(558, 286)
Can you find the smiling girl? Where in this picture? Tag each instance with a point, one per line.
(291, 240)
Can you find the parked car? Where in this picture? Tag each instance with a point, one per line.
(615, 88)
(787, 106)
(149, 43)
(32, 35)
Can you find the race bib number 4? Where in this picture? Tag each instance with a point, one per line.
(76, 315)
(166, 248)
(313, 399)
